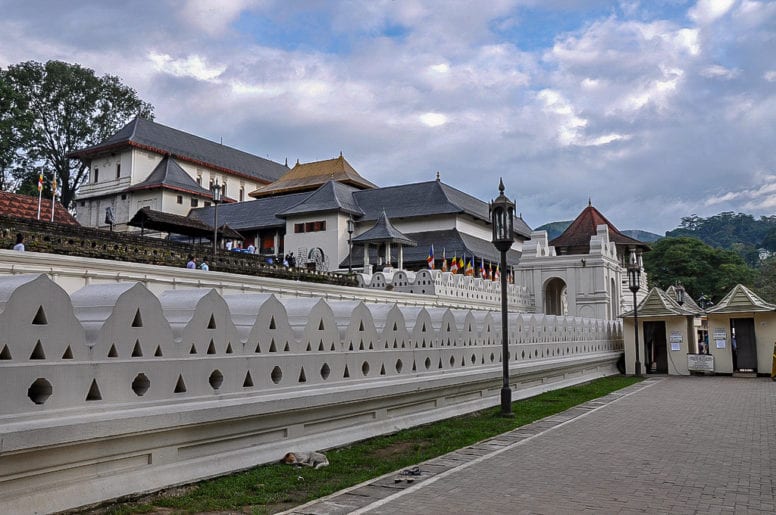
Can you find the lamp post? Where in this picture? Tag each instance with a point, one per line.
(215, 188)
(679, 294)
(502, 213)
(351, 228)
(634, 277)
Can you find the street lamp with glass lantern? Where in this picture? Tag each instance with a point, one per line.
(634, 280)
(679, 294)
(351, 229)
(502, 213)
(215, 189)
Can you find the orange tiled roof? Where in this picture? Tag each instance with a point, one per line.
(25, 206)
(310, 176)
(577, 235)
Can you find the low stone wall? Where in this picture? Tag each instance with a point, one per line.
(54, 238)
(450, 287)
(127, 391)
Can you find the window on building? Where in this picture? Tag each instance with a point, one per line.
(242, 194)
(123, 196)
(118, 170)
(317, 226)
(207, 203)
(96, 175)
(83, 203)
(194, 202)
(199, 180)
(223, 190)
(180, 199)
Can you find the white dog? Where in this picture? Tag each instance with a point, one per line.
(306, 459)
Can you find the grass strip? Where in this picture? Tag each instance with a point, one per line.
(272, 488)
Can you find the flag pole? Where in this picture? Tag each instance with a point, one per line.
(40, 192)
(53, 194)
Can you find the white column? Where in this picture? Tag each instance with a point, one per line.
(401, 256)
(366, 255)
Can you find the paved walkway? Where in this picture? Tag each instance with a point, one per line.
(666, 445)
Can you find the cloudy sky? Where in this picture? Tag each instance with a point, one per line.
(655, 109)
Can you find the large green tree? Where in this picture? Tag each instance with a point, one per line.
(60, 108)
(701, 269)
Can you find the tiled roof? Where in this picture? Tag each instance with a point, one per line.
(384, 231)
(177, 224)
(332, 196)
(309, 176)
(25, 206)
(161, 139)
(658, 303)
(577, 235)
(254, 214)
(451, 242)
(741, 300)
(169, 174)
(426, 199)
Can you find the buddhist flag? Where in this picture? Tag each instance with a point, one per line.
(469, 267)
(460, 264)
(454, 265)
(444, 261)
(483, 273)
(430, 258)
(490, 271)
(40, 183)
(496, 274)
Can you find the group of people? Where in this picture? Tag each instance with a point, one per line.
(192, 264)
(289, 260)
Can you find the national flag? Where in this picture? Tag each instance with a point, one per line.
(430, 258)
(496, 274)
(444, 261)
(40, 182)
(454, 265)
(469, 267)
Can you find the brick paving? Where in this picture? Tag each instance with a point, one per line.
(667, 445)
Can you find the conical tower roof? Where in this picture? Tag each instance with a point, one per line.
(576, 238)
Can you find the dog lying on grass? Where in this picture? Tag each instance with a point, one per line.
(306, 459)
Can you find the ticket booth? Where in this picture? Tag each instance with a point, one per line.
(742, 333)
(666, 334)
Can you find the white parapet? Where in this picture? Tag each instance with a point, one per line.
(128, 390)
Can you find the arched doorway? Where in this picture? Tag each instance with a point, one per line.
(614, 300)
(555, 301)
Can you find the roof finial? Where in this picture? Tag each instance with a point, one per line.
(340, 154)
(501, 186)
(286, 162)
(297, 161)
(589, 202)
(437, 176)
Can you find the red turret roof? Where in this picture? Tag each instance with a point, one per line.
(576, 238)
(25, 206)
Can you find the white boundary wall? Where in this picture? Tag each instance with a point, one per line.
(115, 389)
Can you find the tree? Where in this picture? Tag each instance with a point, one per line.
(66, 107)
(701, 269)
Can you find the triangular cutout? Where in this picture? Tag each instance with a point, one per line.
(361, 325)
(320, 346)
(440, 362)
(68, 354)
(272, 347)
(158, 351)
(211, 348)
(112, 352)
(395, 327)
(248, 383)
(37, 352)
(371, 347)
(5, 353)
(332, 346)
(94, 392)
(308, 347)
(286, 348)
(395, 343)
(138, 320)
(382, 369)
(320, 325)
(193, 349)
(258, 348)
(347, 372)
(361, 345)
(350, 347)
(180, 386)
(212, 323)
(229, 348)
(40, 317)
(302, 377)
(423, 328)
(272, 323)
(414, 366)
(137, 352)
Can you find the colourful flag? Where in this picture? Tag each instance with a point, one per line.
(444, 261)
(496, 274)
(460, 264)
(483, 273)
(430, 258)
(40, 182)
(454, 265)
(469, 267)
(490, 271)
